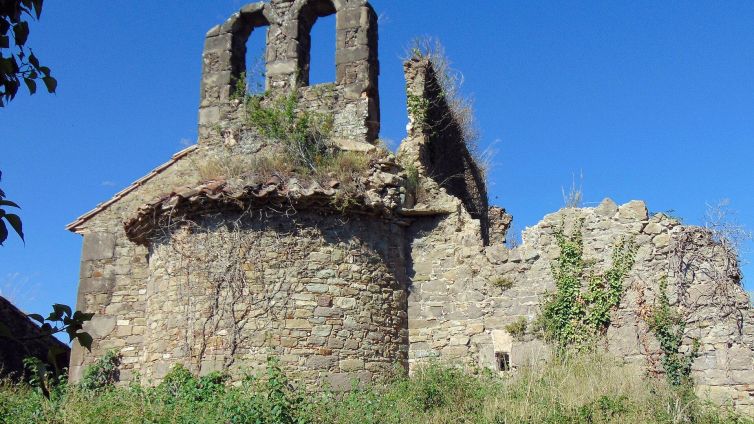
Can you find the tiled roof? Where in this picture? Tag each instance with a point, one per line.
(221, 195)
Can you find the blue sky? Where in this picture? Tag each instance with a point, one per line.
(648, 100)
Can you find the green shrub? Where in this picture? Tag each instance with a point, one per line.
(668, 326)
(503, 283)
(101, 374)
(304, 134)
(579, 309)
(518, 327)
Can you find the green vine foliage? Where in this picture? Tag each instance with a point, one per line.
(579, 309)
(418, 107)
(668, 326)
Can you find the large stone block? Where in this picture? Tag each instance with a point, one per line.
(98, 246)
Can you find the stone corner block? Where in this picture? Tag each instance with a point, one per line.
(98, 246)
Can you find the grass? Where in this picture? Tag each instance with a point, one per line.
(503, 283)
(588, 388)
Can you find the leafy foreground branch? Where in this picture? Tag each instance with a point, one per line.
(577, 389)
(17, 60)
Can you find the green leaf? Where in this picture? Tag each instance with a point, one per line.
(31, 85)
(4, 41)
(3, 232)
(85, 340)
(82, 317)
(33, 60)
(51, 83)
(11, 88)
(15, 222)
(60, 309)
(37, 7)
(4, 26)
(6, 65)
(8, 203)
(21, 33)
(37, 317)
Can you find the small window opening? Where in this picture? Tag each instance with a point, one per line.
(322, 51)
(503, 360)
(256, 48)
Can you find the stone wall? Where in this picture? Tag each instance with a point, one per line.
(458, 310)
(324, 295)
(416, 269)
(112, 278)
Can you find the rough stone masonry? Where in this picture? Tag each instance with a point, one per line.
(219, 273)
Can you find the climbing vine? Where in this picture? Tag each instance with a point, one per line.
(579, 309)
(418, 108)
(668, 326)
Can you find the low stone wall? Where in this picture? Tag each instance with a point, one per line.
(326, 295)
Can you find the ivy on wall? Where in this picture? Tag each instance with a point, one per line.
(668, 326)
(579, 309)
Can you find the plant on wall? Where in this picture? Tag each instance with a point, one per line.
(304, 134)
(668, 326)
(579, 308)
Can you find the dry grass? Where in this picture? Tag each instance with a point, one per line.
(344, 167)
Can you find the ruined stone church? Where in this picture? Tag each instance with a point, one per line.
(216, 260)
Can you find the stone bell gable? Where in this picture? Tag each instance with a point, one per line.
(353, 98)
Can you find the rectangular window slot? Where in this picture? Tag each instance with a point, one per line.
(503, 360)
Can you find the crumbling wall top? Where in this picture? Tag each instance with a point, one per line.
(437, 143)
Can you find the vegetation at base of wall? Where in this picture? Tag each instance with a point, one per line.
(575, 389)
(518, 327)
(668, 326)
(103, 373)
(579, 310)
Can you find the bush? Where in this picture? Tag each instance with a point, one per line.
(518, 327)
(101, 374)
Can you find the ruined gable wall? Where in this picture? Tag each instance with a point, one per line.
(436, 145)
(458, 313)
